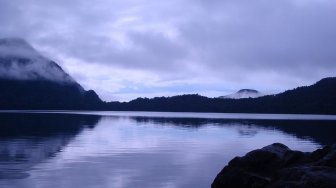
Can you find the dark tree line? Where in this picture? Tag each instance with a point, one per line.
(319, 98)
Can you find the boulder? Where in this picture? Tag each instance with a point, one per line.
(278, 166)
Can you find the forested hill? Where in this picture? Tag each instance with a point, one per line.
(319, 98)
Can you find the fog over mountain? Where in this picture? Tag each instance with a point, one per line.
(30, 81)
(19, 60)
(243, 93)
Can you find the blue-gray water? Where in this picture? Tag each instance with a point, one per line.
(141, 149)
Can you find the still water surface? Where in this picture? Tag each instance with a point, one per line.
(141, 149)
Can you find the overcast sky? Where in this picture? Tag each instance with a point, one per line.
(129, 48)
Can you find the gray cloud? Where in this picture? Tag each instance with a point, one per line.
(231, 43)
(268, 35)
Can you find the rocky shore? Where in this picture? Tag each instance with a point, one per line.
(278, 166)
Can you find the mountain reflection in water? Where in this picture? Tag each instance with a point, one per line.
(69, 150)
(29, 139)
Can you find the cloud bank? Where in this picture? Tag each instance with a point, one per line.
(147, 48)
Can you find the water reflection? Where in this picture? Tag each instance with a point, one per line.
(320, 131)
(27, 140)
(64, 150)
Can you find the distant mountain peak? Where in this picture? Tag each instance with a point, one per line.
(243, 93)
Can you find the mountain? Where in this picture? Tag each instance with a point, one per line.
(242, 94)
(319, 98)
(30, 81)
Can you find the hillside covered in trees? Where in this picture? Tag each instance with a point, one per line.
(319, 98)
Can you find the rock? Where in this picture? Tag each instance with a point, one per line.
(278, 166)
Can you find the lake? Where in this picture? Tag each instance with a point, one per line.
(44, 149)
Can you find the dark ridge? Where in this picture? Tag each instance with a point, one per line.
(319, 98)
(44, 94)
